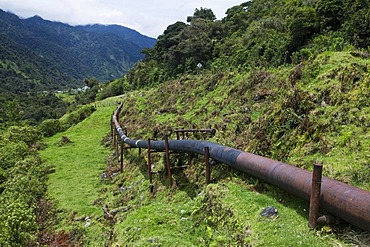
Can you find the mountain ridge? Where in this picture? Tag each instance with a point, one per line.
(65, 54)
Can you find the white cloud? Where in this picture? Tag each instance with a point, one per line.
(148, 17)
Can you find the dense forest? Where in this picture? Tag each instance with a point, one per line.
(255, 34)
(263, 55)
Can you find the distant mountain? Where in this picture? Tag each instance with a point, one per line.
(36, 54)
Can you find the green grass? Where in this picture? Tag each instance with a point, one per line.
(221, 214)
(76, 180)
(76, 183)
(66, 97)
(289, 229)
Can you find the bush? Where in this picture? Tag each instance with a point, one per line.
(17, 223)
(11, 153)
(50, 127)
(79, 115)
(22, 185)
(113, 88)
(27, 134)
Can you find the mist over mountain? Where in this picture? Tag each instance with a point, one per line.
(37, 54)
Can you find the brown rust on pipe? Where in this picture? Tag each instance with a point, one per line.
(315, 196)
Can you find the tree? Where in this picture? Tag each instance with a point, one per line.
(168, 39)
(202, 13)
(236, 18)
(13, 112)
(92, 82)
(90, 94)
(50, 127)
(303, 26)
(330, 13)
(357, 22)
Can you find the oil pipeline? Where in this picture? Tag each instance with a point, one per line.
(344, 201)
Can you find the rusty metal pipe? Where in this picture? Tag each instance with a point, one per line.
(347, 202)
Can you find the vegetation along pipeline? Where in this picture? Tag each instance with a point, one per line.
(344, 201)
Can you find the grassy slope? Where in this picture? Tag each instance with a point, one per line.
(345, 80)
(75, 185)
(226, 212)
(322, 118)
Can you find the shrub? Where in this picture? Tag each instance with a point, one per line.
(50, 127)
(27, 134)
(79, 115)
(17, 223)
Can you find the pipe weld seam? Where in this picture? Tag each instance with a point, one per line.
(137, 142)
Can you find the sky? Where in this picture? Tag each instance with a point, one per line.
(150, 18)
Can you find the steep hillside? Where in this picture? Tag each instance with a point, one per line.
(38, 53)
(313, 112)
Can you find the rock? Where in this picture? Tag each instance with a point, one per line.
(270, 212)
(88, 221)
(64, 141)
(152, 240)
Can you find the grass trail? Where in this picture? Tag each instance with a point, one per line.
(78, 165)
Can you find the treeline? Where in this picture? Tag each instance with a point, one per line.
(29, 108)
(255, 34)
(23, 70)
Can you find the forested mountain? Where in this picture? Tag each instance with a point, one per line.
(255, 34)
(40, 54)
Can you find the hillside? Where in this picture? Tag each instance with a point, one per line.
(37, 54)
(320, 116)
(260, 112)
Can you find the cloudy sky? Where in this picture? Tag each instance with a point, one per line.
(148, 17)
